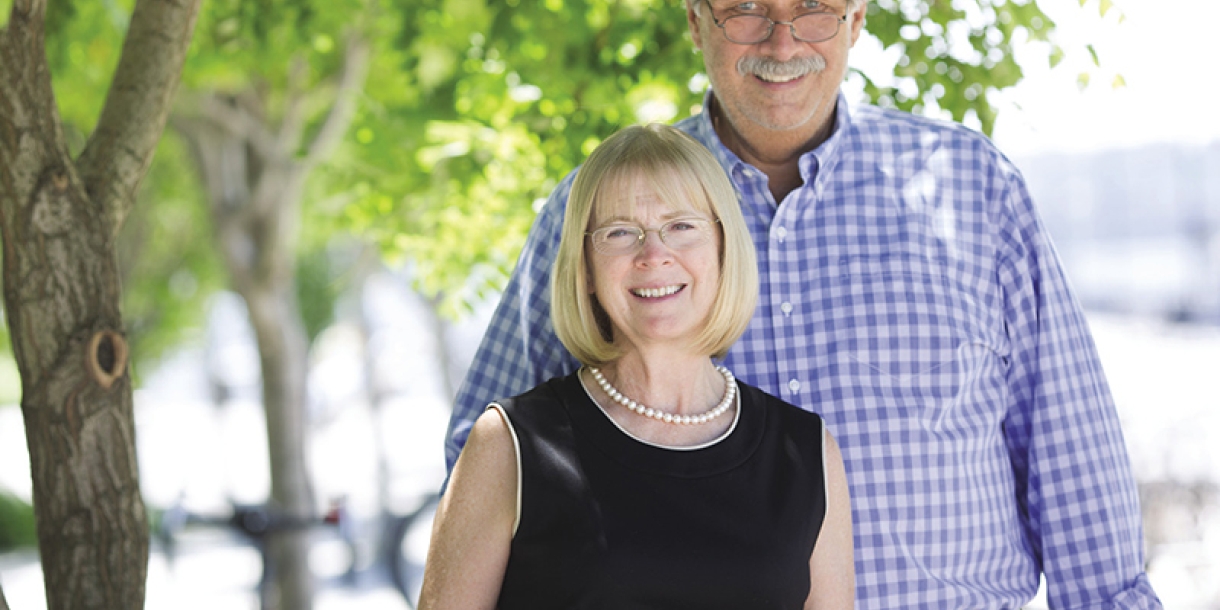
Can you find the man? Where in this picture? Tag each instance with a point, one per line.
(910, 294)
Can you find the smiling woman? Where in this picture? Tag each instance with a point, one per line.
(651, 477)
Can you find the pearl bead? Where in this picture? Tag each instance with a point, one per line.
(730, 392)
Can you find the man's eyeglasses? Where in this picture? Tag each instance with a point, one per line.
(620, 239)
(753, 29)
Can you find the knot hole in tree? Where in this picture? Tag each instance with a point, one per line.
(106, 357)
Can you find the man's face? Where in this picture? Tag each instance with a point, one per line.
(782, 83)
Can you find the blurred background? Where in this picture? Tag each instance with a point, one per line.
(408, 221)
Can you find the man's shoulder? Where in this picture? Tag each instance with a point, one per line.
(898, 139)
(896, 127)
(690, 124)
(552, 210)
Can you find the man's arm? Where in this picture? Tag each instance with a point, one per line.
(1075, 487)
(519, 349)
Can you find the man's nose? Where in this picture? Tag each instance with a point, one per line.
(782, 45)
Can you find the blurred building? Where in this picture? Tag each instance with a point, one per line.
(1139, 229)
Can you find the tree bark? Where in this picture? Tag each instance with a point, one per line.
(254, 178)
(58, 220)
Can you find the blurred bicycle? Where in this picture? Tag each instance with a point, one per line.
(254, 524)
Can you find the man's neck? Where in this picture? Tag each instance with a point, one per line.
(776, 153)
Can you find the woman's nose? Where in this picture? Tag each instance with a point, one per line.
(654, 248)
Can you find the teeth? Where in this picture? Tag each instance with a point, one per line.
(778, 79)
(653, 293)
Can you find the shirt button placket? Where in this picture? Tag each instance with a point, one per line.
(780, 261)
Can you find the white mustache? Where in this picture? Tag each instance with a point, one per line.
(780, 70)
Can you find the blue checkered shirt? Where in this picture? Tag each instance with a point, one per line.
(909, 294)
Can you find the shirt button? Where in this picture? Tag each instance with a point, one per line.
(781, 234)
(786, 307)
(794, 385)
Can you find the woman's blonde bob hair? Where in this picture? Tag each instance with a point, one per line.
(683, 175)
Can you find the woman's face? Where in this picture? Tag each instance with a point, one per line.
(655, 295)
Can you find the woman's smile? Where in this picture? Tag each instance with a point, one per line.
(657, 293)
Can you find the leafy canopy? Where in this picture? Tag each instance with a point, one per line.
(473, 109)
(487, 105)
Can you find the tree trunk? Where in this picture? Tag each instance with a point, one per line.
(59, 218)
(254, 202)
(254, 177)
(444, 356)
(283, 346)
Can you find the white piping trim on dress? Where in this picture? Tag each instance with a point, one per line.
(825, 468)
(516, 449)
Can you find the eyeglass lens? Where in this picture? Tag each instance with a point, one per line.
(681, 234)
(752, 29)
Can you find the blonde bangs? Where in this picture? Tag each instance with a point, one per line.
(675, 186)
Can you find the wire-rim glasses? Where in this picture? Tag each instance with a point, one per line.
(620, 239)
(753, 29)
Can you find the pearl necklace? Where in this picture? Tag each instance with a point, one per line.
(730, 392)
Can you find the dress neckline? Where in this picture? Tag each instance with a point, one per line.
(596, 431)
(704, 445)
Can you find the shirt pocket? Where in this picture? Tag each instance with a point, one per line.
(912, 336)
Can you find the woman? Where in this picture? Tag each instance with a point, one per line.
(649, 478)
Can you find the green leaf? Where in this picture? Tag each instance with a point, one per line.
(1057, 55)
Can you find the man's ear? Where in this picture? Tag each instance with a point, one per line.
(857, 19)
(692, 22)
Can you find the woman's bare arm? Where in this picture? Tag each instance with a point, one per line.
(474, 522)
(832, 565)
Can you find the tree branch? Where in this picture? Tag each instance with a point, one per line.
(121, 148)
(292, 127)
(232, 118)
(351, 83)
(224, 182)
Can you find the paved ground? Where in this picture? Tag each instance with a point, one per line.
(209, 574)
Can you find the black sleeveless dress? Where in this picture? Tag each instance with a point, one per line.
(608, 521)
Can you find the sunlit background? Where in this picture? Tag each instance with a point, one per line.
(1126, 171)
